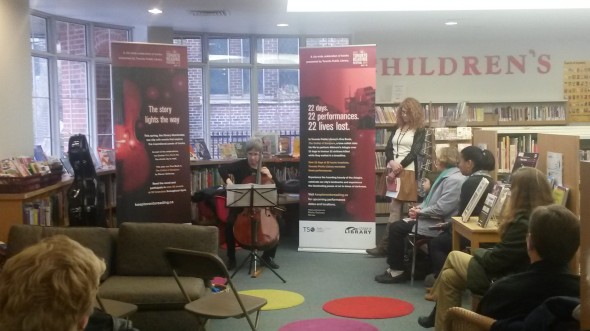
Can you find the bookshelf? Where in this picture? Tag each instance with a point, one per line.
(584, 252)
(524, 113)
(13, 205)
(17, 207)
(565, 140)
(510, 113)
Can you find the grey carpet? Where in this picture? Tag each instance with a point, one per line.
(321, 277)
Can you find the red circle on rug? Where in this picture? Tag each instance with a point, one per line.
(328, 324)
(368, 307)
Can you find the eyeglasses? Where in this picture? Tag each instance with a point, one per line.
(404, 111)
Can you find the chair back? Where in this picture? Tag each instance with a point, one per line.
(206, 265)
(191, 263)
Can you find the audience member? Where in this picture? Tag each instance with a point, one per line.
(50, 286)
(441, 202)
(529, 189)
(477, 164)
(552, 242)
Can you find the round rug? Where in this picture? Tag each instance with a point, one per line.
(328, 324)
(368, 307)
(277, 299)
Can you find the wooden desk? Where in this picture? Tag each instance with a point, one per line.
(473, 232)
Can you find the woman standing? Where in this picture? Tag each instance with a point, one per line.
(529, 189)
(403, 147)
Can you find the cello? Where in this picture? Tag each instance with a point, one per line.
(256, 228)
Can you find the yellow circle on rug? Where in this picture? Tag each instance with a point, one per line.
(277, 299)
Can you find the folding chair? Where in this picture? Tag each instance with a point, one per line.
(213, 306)
(417, 242)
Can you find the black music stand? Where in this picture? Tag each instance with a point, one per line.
(251, 196)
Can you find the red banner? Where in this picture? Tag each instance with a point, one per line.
(337, 147)
(150, 97)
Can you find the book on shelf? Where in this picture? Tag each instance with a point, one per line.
(555, 168)
(240, 147)
(525, 160)
(39, 154)
(227, 151)
(270, 143)
(296, 146)
(65, 161)
(503, 195)
(107, 157)
(487, 210)
(560, 194)
(201, 150)
(479, 191)
(9, 168)
(379, 160)
(285, 145)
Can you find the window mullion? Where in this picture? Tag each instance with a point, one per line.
(253, 87)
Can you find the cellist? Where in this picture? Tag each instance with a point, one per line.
(240, 170)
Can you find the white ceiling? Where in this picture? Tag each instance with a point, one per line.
(261, 17)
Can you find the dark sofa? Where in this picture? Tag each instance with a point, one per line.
(136, 269)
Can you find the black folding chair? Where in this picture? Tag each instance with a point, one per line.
(187, 263)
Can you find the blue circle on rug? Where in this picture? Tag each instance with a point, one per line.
(328, 324)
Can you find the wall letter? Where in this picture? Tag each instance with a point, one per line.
(514, 61)
(470, 63)
(411, 66)
(385, 67)
(423, 63)
(492, 65)
(544, 63)
(443, 68)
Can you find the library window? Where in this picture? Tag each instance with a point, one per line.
(71, 38)
(237, 84)
(38, 37)
(41, 103)
(68, 97)
(229, 50)
(73, 100)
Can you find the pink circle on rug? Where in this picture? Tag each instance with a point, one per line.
(328, 324)
(368, 307)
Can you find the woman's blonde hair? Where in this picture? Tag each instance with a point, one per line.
(449, 156)
(529, 189)
(49, 286)
(415, 114)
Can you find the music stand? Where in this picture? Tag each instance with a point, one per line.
(251, 196)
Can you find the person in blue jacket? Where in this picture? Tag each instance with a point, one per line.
(441, 202)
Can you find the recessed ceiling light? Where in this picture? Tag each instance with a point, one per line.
(282, 25)
(450, 23)
(155, 11)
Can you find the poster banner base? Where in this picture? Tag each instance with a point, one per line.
(336, 236)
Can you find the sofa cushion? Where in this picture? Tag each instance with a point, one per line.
(140, 246)
(100, 240)
(151, 292)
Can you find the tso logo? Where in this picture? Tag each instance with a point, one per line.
(308, 229)
(360, 230)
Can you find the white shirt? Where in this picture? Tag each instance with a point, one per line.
(402, 145)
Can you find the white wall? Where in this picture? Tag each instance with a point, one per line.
(16, 110)
(503, 86)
